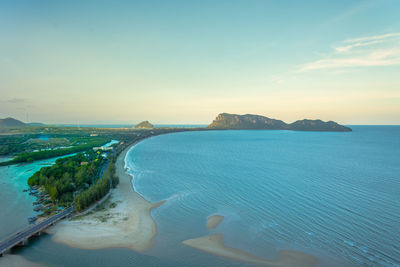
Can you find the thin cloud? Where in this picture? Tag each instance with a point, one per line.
(369, 51)
(367, 41)
(346, 48)
(387, 59)
(373, 38)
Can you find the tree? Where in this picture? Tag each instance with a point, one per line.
(53, 192)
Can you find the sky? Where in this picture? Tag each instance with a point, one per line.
(187, 61)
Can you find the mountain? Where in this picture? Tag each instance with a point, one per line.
(144, 125)
(11, 123)
(317, 125)
(248, 121)
(257, 122)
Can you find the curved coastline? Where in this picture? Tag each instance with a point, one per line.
(129, 224)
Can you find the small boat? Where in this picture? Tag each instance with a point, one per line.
(38, 207)
(32, 219)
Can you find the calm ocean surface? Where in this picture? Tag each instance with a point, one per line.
(333, 195)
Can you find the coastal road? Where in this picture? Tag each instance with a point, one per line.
(25, 234)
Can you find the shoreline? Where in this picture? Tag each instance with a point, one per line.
(125, 223)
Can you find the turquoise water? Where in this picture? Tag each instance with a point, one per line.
(333, 195)
(112, 142)
(16, 205)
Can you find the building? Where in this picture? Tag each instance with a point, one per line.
(109, 148)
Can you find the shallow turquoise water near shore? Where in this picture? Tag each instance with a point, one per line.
(15, 205)
(334, 195)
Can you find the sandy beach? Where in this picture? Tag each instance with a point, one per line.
(124, 222)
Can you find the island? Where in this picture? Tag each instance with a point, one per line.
(226, 121)
(144, 125)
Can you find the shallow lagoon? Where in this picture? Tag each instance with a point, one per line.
(15, 205)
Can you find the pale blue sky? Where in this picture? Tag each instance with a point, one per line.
(187, 61)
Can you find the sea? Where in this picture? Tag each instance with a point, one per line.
(334, 195)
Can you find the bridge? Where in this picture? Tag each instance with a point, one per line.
(20, 237)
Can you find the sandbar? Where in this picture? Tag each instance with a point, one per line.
(214, 221)
(214, 244)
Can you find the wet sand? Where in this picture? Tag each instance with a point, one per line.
(214, 244)
(128, 224)
(214, 221)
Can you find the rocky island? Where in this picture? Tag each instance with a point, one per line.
(257, 122)
(144, 125)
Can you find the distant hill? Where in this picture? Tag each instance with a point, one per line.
(248, 121)
(317, 125)
(257, 122)
(144, 125)
(11, 123)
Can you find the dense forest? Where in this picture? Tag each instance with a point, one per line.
(99, 190)
(12, 144)
(69, 176)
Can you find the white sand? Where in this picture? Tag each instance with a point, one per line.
(214, 221)
(128, 225)
(214, 244)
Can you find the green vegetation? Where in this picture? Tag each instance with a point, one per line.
(99, 190)
(12, 144)
(79, 144)
(68, 176)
